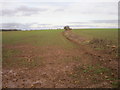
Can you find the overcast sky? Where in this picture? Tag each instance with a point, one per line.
(49, 14)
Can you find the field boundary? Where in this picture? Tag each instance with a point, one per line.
(74, 37)
(102, 55)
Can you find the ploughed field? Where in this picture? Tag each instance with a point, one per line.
(47, 59)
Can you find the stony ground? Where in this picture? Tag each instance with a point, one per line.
(55, 67)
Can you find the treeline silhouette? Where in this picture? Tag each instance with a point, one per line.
(10, 30)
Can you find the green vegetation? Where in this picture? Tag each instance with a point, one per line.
(14, 41)
(37, 38)
(106, 34)
(97, 73)
(43, 37)
(93, 69)
(116, 84)
(101, 39)
(53, 38)
(50, 48)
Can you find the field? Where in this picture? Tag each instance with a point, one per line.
(47, 59)
(106, 34)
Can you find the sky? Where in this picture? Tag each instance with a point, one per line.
(55, 14)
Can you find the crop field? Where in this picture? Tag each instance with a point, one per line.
(106, 34)
(47, 59)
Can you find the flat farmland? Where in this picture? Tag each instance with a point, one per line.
(47, 59)
(106, 34)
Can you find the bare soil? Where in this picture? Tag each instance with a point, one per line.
(55, 67)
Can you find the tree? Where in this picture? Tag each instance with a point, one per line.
(67, 28)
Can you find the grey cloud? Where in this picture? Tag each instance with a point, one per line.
(105, 21)
(75, 26)
(13, 25)
(59, 10)
(43, 24)
(26, 11)
(99, 8)
(60, 4)
(58, 26)
(29, 10)
(78, 22)
(81, 26)
(21, 26)
(7, 12)
(90, 26)
(95, 21)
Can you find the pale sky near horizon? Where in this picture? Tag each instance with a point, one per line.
(53, 14)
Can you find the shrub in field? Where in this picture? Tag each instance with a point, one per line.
(67, 28)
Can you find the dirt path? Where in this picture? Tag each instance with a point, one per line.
(55, 67)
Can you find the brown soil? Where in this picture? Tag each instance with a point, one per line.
(56, 67)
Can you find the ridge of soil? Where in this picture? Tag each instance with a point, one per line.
(101, 57)
(79, 40)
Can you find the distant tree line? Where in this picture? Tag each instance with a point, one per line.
(10, 30)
